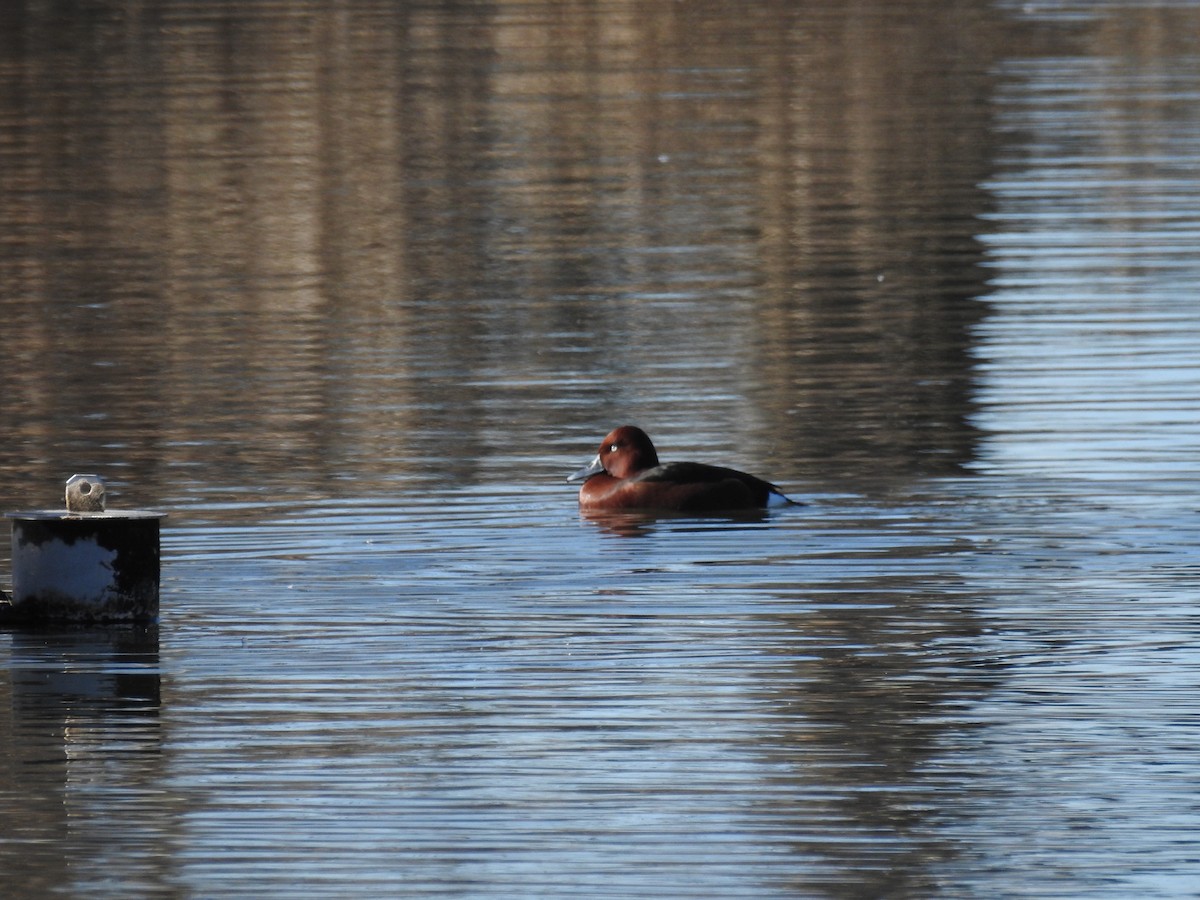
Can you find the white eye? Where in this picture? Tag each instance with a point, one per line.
(613, 448)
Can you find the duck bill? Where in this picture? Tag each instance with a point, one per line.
(595, 467)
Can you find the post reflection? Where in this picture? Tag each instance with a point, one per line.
(82, 745)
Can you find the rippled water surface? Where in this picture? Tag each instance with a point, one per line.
(348, 289)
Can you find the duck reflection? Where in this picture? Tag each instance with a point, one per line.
(643, 522)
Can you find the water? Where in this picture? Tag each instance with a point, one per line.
(350, 288)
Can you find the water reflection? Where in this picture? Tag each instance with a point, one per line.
(81, 750)
(639, 523)
(355, 244)
(875, 679)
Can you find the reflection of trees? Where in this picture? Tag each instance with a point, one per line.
(870, 212)
(867, 692)
(331, 241)
(880, 676)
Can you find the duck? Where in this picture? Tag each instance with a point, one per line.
(626, 474)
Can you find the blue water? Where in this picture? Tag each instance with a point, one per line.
(349, 290)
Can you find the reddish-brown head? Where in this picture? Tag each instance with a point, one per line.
(626, 451)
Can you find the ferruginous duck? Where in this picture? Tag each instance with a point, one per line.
(626, 474)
